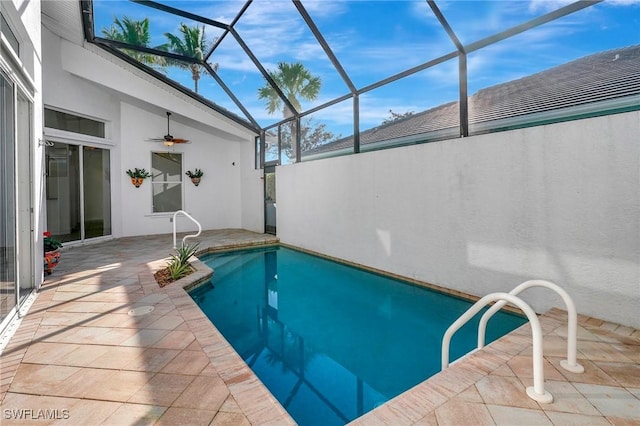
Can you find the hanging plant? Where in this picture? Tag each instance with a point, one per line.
(195, 176)
(138, 176)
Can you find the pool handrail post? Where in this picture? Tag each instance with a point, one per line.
(570, 364)
(536, 392)
(182, 212)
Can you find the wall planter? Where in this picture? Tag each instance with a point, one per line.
(51, 259)
(51, 252)
(195, 176)
(138, 176)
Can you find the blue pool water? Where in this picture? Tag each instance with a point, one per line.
(331, 341)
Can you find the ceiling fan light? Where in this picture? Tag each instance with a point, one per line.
(168, 143)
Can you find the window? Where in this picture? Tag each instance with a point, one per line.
(73, 123)
(11, 37)
(166, 181)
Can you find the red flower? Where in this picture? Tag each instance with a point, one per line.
(46, 234)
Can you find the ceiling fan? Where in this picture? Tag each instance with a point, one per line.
(167, 139)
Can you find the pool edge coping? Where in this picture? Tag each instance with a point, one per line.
(244, 386)
(235, 372)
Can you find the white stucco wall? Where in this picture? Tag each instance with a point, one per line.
(252, 190)
(216, 203)
(91, 83)
(485, 213)
(67, 92)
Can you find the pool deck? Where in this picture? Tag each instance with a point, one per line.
(91, 350)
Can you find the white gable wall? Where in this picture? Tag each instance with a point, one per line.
(485, 213)
(89, 83)
(215, 203)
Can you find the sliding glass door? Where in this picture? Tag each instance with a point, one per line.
(8, 252)
(78, 192)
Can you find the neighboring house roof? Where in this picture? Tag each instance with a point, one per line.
(598, 77)
(602, 76)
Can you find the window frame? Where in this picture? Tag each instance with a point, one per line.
(13, 42)
(154, 182)
(106, 129)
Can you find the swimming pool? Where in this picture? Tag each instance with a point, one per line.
(331, 341)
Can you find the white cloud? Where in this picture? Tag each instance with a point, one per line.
(547, 5)
(623, 2)
(319, 9)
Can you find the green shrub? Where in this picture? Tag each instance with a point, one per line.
(185, 252)
(50, 243)
(178, 270)
(178, 264)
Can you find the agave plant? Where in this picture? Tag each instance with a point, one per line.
(178, 263)
(178, 270)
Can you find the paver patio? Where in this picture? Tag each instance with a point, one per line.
(103, 344)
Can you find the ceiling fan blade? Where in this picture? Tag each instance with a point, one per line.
(168, 139)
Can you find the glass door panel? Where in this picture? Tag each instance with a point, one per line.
(8, 296)
(97, 192)
(63, 191)
(24, 136)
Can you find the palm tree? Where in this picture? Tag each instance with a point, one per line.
(294, 80)
(136, 33)
(192, 43)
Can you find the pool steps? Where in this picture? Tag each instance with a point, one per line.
(537, 391)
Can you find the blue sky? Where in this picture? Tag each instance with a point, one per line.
(377, 39)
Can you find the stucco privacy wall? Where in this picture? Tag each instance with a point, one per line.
(133, 106)
(485, 213)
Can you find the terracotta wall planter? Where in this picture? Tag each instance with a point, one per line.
(137, 182)
(51, 259)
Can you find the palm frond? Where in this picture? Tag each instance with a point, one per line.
(295, 82)
(135, 33)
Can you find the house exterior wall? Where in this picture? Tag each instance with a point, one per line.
(252, 190)
(216, 203)
(485, 213)
(85, 82)
(25, 75)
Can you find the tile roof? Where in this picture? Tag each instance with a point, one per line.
(598, 77)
